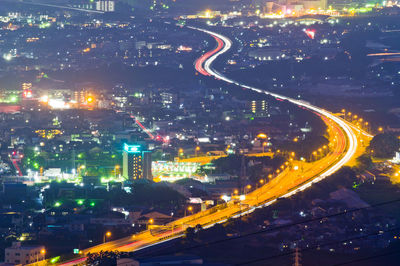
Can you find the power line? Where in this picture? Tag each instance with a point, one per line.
(379, 232)
(288, 225)
(368, 258)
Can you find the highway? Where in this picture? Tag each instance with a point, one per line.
(204, 64)
(55, 6)
(295, 177)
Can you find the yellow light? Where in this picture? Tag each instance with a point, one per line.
(248, 186)
(43, 251)
(108, 234)
(151, 221)
(262, 136)
(44, 99)
(90, 99)
(190, 208)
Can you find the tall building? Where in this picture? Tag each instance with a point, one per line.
(259, 108)
(27, 90)
(105, 5)
(136, 162)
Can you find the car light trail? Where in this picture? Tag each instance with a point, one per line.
(351, 137)
(143, 127)
(282, 185)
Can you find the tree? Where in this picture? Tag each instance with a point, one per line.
(364, 162)
(384, 145)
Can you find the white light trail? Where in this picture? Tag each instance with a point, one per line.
(351, 137)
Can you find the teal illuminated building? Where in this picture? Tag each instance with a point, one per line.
(136, 162)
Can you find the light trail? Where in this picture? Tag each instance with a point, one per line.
(15, 163)
(283, 185)
(351, 137)
(143, 127)
(199, 62)
(58, 6)
(383, 54)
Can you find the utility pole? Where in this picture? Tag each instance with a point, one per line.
(297, 258)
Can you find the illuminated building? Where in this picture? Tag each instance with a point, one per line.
(136, 162)
(48, 133)
(17, 254)
(167, 98)
(105, 5)
(172, 171)
(313, 4)
(259, 108)
(27, 90)
(80, 97)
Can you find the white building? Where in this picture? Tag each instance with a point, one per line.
(22, 255)
(396, 158)
(105, 5)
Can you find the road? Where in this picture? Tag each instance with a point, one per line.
(56, 6)
(294, 178)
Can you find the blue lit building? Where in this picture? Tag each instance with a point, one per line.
(136, 162)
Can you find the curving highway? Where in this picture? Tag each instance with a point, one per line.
(289, 181)
(224, 44)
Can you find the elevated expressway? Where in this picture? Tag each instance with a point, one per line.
(294, 178)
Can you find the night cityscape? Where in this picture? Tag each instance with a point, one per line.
(209, 132)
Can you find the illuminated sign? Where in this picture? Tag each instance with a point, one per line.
(132, 148)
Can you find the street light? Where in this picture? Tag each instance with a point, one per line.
(106, 235)
(196, 150)
(248, 187)
(43, 252)
(190, 209)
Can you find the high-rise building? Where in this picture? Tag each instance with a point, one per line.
(27, 90)
(136, 162)
(105, 5)
(259, 108)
